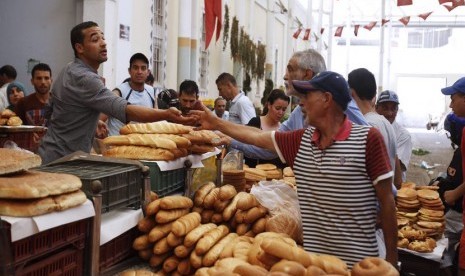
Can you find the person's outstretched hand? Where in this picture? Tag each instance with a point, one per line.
(206, 118)
(175, 115)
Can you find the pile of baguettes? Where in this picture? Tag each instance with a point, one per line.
(179, 238)
(159, 141)
(26, 193)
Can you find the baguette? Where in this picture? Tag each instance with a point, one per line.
(241, 250)
(196, 260)
(202, 192)
(174, 240)
(247, 201)
(214, 253)
(165, 216)
(145, 254)
(282, 250)
(227, 192)
(255, 213)
(207, 215)
(141, 242)
(170, 264)
(178, 153)
(155, 127)
(210, 199)
(175, 202)
(153, 207)
(210, 239)
(139, 153)
(217, 218)
(230, 210)
(193, 236)
(185, 267)
(161, 247)
(229, 264)
(250, 270)
(183, 251)
(203, 137)
(185, 224)
(259, 226)
(137, 139)
(146, 224)
(157, 260)
(201, 149)
(219, 206)
(242, 228)
(289, 267)
(160, 231)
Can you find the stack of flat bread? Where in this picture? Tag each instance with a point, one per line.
(159, 141)
(420, 217)
(30, 193)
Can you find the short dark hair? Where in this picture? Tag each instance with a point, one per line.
(226, 77)
(188, 87)
(274, 95)
(41, 67)
(219, 99)
(9, 71)
(76, 33)
(363, 82)
(138, 56)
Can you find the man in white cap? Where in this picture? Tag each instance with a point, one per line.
(388, 106)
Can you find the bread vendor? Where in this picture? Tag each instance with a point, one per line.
(342, 170)
(79, 96)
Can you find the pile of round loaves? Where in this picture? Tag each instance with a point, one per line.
(420, 217)
(9, 118)
(25, 193)
(222, 232)
(159, 141)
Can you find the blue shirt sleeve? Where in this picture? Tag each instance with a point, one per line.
(354, 114)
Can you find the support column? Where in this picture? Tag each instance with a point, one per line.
(184, 41)
(270, 41)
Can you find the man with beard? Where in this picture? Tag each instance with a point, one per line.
(189, 97)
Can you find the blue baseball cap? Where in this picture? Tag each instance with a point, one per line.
(388, 96)
(327, 81)
(457, 87)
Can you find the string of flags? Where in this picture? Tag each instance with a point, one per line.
(448, 4)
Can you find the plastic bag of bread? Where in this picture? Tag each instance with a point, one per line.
(283, 205)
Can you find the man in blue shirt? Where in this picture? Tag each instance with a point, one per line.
(303, 65)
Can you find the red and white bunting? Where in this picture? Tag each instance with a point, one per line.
(425, 15)
(356, 27)
(370, 25)
(404, 20)
(384, 21)
(307, 34)
(404, 2)
(297, 33)
(338, 32)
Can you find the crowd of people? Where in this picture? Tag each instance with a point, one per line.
(348, 152)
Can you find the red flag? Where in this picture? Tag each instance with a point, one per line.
(457, 3)
(449, 8)
(384, 21)
(404, 2)
(306, 34)
(356, 27)
(297, 33)
(405, 20)
(322, 30)
(339, 31)
(212, 16)
(370, 25)
(425, 15)
(445, 1)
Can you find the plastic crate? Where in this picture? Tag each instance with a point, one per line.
(118, 249)
(57, 249)
(166, 182)
(121, 183)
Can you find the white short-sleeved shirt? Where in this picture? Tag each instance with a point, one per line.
(241, 109)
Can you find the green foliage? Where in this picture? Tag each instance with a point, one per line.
(225, 27)
(268, 88)
(246, 83)
(235, 39)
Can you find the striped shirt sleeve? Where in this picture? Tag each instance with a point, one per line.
(287, 144)
(377, 159)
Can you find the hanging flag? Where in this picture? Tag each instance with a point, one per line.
(297, 33)
(405, 20)
(404, 2)
(457, 3)
(384, 21)
(306, 34)
(212, 17)
(356, 27)
(425, 15)
(322, 30)
(449, 8)
(370, 25)
(445, 1)
(339, 31)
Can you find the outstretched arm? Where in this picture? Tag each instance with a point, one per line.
(144, 114)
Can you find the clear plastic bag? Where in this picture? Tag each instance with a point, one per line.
(283, 204)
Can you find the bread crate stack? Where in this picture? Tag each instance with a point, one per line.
(225, 232)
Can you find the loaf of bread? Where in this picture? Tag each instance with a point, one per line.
(289, 267)
(142, 242)
(202, 192)
(69, 200)
(179, 152)
(137, 139)
(203, 137)
(196, 260)
(250, 270)
(139, 153)
(193, 236)
(145, 254)
(227, 192)
(7, 113)
(210, 199)
(153, 207)
(207, 215)
(165, 216)
(138, 272)
(175, 202)
(146, 224)
(183, 251)
(230, 210)
(158, 259)
(201, 148)
(255, 213)
(17, 160)
(260, 225)
(185, 224)
(210, 239)
(247, 201)
(185, 267)
(155, 127)
(14, 121)
(174, 240)
(283, 250)
(161, 246)
(371, 266)
(214, 253)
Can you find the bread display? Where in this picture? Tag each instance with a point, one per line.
(14, 121)
(161, 127)
(149, 140)
(140, 153)
(17, 160)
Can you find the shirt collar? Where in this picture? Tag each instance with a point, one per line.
(80, 61)
(237, 97)
(342, 134)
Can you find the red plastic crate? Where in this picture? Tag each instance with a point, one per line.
(43, 251)
(118, 249)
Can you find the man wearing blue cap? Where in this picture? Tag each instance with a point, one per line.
(457, 104)
(342, 170)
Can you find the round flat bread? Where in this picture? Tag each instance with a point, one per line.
(430, 224)
(431, 213)
(409, 185)
(266, 167)
(407, 193)
(17, 160)
(428, 194)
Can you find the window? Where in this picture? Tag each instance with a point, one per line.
(158, 38)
